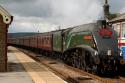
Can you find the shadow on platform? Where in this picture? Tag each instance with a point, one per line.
(12, 51)
(18, 67)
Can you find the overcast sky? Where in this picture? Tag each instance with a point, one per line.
(47, 15)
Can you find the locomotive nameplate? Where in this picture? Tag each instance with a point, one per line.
(88, 37)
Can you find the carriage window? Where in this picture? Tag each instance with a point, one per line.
(117, 29)
(123, 30)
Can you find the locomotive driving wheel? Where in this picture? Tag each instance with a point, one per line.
(78, 58)
(95, 69)
(76, 61)
(73, 61)
(85, 60)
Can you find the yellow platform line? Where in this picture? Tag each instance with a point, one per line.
(35, 70)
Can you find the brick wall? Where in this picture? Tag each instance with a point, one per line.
(3, 46)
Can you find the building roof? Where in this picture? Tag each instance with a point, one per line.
(119, 18)
(7, 18)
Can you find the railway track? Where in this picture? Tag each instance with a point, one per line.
(122, 78)
(70, 74)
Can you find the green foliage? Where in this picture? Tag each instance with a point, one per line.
(111, 16)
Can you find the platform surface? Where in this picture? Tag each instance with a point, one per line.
(23, 69)
(16, 73)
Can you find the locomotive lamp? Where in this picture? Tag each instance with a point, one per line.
(109, 53)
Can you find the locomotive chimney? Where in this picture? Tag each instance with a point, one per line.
(106, 10)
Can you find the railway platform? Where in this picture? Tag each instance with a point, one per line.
(23, 69)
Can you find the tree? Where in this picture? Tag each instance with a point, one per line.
(111, 16)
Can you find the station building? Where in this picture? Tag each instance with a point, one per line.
(118, 24)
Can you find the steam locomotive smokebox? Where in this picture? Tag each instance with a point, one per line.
(5, 20)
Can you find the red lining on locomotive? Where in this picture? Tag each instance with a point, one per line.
(105, 32)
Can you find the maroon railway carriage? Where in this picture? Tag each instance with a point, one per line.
(45, 42)
(33, 41)
(21, 41)
(26, 41)
(42, 42)
(10, 41)
(39, 42)
(17, 41)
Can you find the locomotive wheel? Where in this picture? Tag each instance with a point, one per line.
(102, 71)
(65, 57)
(69, 59)
(83, 65)
(60, 56)
(76, 59)
(73, 62)
(82, 59)
(87, 62)
(95, 69)
(73, 59)
(79, 63)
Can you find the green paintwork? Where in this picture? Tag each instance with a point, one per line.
(57, 41)
(70, 40)
(75, 39)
